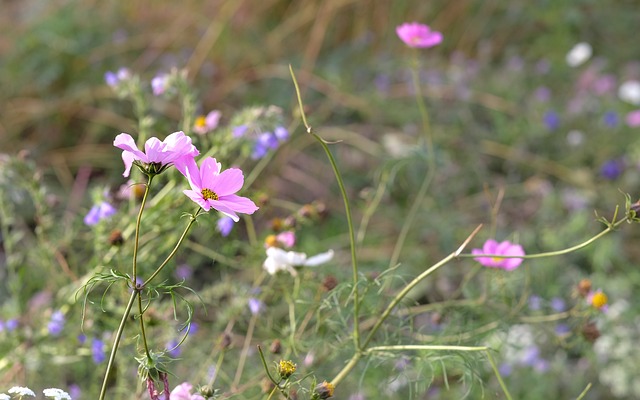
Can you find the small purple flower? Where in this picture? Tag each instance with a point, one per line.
(11, 324)
(418, 35)
(266, 141)
(239, 131)
(99, 212)
(496, 250)
(184, 272)
(505, 369)
(541, 365)
(193, 328)
(281, 133)
(612, 169)
(610, 119)
(159, 84)
(530, 355)
(535, 302)
(558, 304)
(74, 391)
(551, 120)
(225, 225)
(97, 351)
(173, 348)
(82, 338)
(114, 79)
(542, 94)
(56, 323)
(255, 305)
(562, 329)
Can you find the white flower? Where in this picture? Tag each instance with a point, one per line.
(280, 260)
(629, 91)
(22, 391)
(579, 54)
(56, 394)
(4, 397)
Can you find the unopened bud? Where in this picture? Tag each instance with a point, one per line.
(584, 287)
(323, 390)
(115, 238)
(276, 347)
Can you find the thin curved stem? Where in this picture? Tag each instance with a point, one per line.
(116, 343)
(571, 249)
(175, 249)
(137, 234)
(347, 207)
(142, 330)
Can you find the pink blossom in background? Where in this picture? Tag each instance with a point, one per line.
(176, 149)
(633, 119)
(287, 238)
(418, 35)
(211, 188)
(183, 392)
(205, 124)
(496, 250)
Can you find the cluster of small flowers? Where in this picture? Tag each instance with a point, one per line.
(262, 127)
(19, 392)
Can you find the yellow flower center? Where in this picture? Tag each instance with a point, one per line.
(201, 122)
(599, 300)
(286, 368)
(209, 194)
(497, 259)
(271, 241)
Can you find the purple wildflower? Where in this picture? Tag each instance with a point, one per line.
(558, 304)
(612, 169)
(56, 323)
(225, 225)
(99, 212)
(610, 119)
(255, 305)
(551, 120)
(97, 351)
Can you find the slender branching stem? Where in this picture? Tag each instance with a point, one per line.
(116, 343)
(431, 165)
(496, 371)
(142, 330)
(347, 207)
(175, 249)
(137, 234)
(612, 226)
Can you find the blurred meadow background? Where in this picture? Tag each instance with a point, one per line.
(530, 144)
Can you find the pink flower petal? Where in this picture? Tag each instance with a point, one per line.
(209, 170)
(229, 182)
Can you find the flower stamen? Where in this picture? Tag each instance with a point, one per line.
(209, 194)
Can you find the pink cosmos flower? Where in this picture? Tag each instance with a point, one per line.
(287, 238)
(183, 392)
(418, 35)
(176, 149)
(211, 188)
(495, 249)
(205, 124)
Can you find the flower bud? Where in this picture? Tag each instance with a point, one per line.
(329, 283)
(276, 347)
(207, 391)
(584, 287)
(590, 332)
(323, 390)
(115, 238)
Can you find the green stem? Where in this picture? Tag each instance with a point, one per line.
(137, 234)
(175, 249)
(345, 198)
(431, 166)
(402, 294)
(116, 342)
(346, 369)
(496, 371)
(142, 330)
(425, 347)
